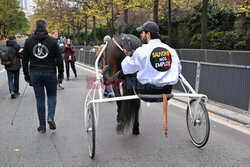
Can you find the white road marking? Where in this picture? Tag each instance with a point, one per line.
(86, 69)
(219, 119)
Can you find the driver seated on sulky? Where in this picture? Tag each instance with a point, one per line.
(157, 65)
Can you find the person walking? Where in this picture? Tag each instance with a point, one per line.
(41, 56)
(69, 57)
(107, 91)
(13, 70)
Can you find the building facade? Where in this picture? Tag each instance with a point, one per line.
(26, 6)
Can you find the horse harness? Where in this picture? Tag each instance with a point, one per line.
(126, 43)
(125, 48)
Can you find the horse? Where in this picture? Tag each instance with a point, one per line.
(127, 110)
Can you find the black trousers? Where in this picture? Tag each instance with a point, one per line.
(132, 82)
(72, 64)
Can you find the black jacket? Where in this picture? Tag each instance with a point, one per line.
(16, 65)
(43, 53)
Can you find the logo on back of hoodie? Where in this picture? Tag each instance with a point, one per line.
(40, 51)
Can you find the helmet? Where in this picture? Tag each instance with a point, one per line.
(106, 38)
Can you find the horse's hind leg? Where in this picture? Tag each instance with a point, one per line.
(136, 130)
(117, 94)
(119, 126)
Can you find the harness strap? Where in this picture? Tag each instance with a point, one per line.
(165, 114)
(123, 50)
(134, 91)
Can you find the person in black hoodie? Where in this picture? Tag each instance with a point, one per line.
(13, 70)
(41, 56)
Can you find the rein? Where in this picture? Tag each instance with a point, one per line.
(123, 50)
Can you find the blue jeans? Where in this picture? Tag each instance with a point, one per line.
(47, 80)
(108, 89)
(13, 80)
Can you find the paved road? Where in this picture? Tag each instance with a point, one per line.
(21, 144)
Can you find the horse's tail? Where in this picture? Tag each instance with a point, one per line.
(129, 112)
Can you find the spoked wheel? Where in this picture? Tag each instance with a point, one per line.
(198, 123)
(91, 130)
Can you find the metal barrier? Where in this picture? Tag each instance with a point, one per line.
(20, 42)
(215, 56)
(226, 84)
(189, 70)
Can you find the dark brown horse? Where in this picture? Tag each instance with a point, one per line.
(128, 110)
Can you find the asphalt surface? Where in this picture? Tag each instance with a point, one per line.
(21, 144)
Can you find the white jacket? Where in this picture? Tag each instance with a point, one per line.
(151, 62)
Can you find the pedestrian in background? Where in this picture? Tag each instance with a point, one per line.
(108, 91)
(41, 56)
(69, 57)
(63, 38)
(61, 46)
(13, 70)
(59, 41)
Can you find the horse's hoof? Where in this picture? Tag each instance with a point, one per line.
(119, 128)
(136, 131)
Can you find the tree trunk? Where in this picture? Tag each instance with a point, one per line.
(109, 27)
(187, 4)
(155, 11)
(204, 25)
(68, 33)
(112, 20)
(169, 23)
(74, 34)
(125, 18)
(78, 36)
(4, 31)
(86, 30)
(94, 30)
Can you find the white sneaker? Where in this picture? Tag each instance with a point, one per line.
(60, 87)
(110, 95)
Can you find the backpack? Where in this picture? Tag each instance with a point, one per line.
(7, 56)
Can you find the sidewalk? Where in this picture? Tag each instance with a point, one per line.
(218, 109)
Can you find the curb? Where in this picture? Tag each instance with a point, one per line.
(221, 111)
(86, 66)
(216, 109)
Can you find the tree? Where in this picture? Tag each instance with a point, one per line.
(155, 11)
(57, 13)
(125, 18)
(204, 25)
(12, 18)
(169, 23)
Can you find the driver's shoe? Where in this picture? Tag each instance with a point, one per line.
(136, 131)
(119, 128)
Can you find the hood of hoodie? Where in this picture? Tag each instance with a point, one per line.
(10, 43)
(40, 34)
